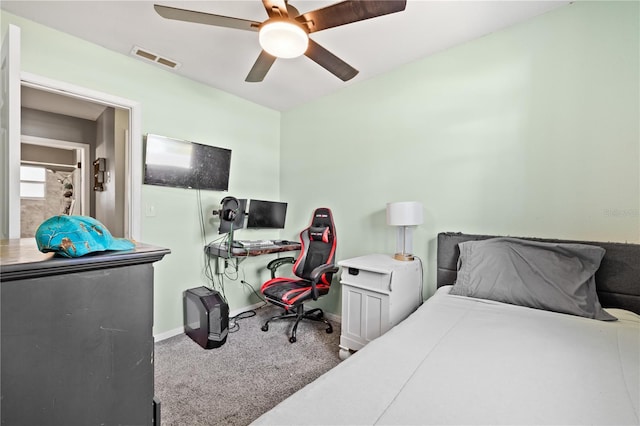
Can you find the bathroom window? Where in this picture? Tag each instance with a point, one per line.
(32, 182)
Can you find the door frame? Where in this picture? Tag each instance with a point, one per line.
(10, 133)
(133, 166)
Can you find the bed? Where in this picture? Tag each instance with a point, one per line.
(465, 359)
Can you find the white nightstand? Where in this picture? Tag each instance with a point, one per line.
(377, 293)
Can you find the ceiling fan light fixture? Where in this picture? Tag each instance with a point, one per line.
(283, 39)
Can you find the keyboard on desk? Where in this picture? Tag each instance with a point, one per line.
(285, 243)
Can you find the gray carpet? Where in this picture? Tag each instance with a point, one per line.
(251, 373)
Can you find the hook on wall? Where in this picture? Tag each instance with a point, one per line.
(99, 167)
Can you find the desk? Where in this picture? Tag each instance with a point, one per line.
(222, 250)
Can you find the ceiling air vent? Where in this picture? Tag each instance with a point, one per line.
(152, 57)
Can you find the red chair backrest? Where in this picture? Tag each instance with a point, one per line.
(318, 245)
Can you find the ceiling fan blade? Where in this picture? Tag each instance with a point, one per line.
(330, 62)
(260, 67)
(276, 8)
(347, 12)
(205, 18)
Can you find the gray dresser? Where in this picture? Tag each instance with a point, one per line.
(77, 338)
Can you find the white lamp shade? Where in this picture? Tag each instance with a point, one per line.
(404, 213)
(283, 39)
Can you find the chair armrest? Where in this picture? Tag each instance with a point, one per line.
(276, 263)
(317, 273)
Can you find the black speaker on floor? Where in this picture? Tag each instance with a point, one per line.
(206, 317)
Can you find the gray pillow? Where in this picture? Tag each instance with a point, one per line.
(556, 277)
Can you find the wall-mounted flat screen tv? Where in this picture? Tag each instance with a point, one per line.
(266, 214)
(184, 164)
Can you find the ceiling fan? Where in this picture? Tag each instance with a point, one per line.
(285, 34)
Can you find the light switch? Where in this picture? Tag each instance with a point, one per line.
(150, 210)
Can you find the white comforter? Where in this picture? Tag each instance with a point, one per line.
(459, 360)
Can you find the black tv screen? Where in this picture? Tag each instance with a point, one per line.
(266, 214)
(183, 164)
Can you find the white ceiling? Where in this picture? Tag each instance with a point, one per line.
(222, 57)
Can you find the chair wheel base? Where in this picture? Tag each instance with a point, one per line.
(300, 314)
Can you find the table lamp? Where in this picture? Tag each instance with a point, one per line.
(405, 215)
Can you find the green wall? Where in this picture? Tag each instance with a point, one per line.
(180, 108)
(529, 131)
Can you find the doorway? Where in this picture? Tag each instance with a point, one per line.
(61, 126)
(110, 138)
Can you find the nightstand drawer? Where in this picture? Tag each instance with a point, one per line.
(365, 279)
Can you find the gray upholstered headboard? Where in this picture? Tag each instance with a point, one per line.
(617, 279)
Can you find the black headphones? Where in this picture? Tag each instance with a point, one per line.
(226, 212)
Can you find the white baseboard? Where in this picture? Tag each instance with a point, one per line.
(167, 334)
(333, 317)
(246, 308)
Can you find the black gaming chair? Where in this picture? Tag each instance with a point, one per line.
(314, 269)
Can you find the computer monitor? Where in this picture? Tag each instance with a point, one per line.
(266, 214)
(238, 222)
